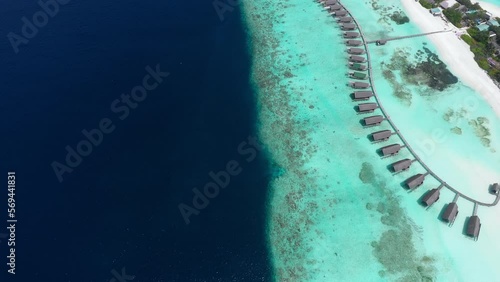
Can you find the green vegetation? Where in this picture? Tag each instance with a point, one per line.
(453, 15)
(482, 49)
(426, 4)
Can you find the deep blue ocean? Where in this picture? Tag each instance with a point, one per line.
(118, 208)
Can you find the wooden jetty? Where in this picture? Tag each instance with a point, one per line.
(418, 179)
(384, 40)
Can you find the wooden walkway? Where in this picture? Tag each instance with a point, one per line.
(400, 37)
(405, 142)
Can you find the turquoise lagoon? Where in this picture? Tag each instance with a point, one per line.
(335, 212)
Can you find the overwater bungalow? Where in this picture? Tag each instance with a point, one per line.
(450, 213)
(400, 165)
(356, 51)
(430, 197)
(359, 85)
(354, 42)
(345, 20)
(351, 34)
(367, 107)
(380, 42)
(373, 120)
(348, 26)
(329, 2)
(495, 188)
(415, 181)
(362, 95)
(334, 7)
(357, 59)
(339, 13)
(382, 135)
(358, 75)
(390, 150)
(473, 227)
(357, 66)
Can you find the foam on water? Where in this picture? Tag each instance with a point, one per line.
(334, 206)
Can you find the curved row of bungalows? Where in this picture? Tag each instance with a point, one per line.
(473, 227)
(359, 85)
(356, 51)
(430, 197)
(348, 26)
(345, 20)
(357, 66)
(358, 75)
(351, 34)
(390, 150)
(367, 107)
(450, 213)
(354, 42)
(415, 181)
(495, 188)
(357, 59)
(373, 120)
(362, 95)
(401, 165)
(382, 135)
(339, 13)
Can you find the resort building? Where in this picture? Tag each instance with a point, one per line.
(401, 165)
(362, 95)
(483, 27)
(354, 42)
(495, 188)
(351, 34)
(373, 120)
(390, 150)
(381, 135)
(357, 59)
(435, 11)
(356, 51)
(450, 213)
(348, 26)
(367, 107)
(447, 4)
(473, 227)
(415, 181)
(340, 13)
(430, 197)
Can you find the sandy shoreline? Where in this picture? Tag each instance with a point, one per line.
(454, 52)
(494, 10)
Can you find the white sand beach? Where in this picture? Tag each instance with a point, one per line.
(493, 9)
(455, 52)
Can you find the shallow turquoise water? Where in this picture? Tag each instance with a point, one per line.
(334, 204)
(495, 2)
